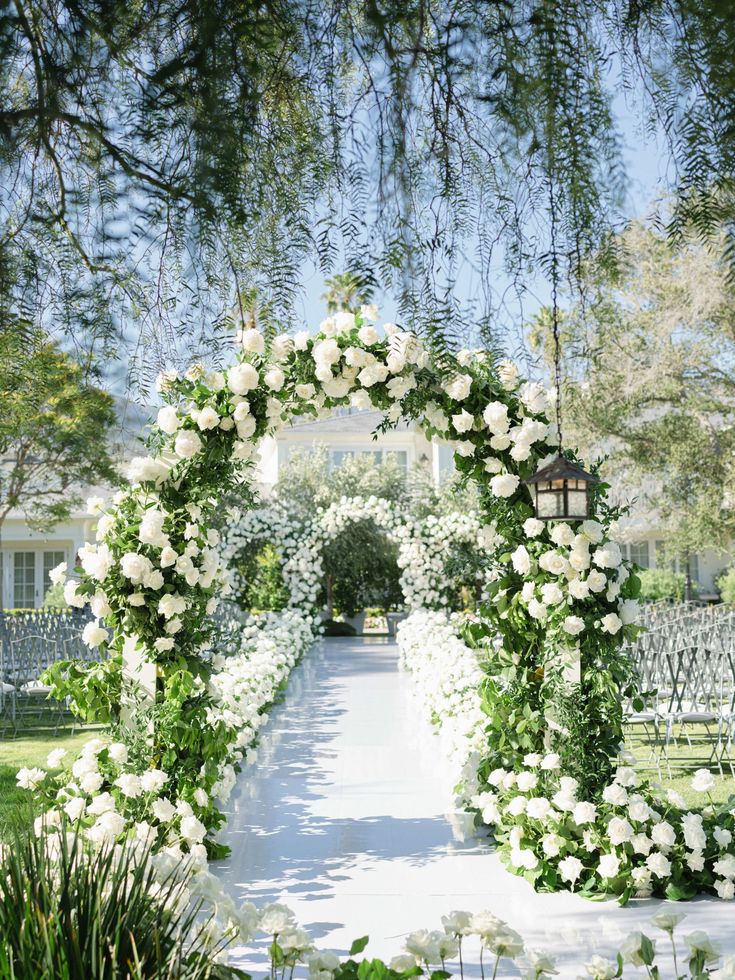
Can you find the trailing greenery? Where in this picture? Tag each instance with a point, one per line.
(172, 166)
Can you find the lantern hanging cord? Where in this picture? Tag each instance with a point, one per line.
(555, 309)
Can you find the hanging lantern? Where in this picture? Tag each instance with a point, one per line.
(561, 491)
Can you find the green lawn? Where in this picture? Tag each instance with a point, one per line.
(684, 759)
(28, 750)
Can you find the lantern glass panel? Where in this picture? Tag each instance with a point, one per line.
(577, 502)
(549, 504)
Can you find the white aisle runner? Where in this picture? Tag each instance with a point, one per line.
(343, 818)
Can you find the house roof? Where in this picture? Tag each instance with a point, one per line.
(366, 421)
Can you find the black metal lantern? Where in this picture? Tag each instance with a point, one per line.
(561, 491)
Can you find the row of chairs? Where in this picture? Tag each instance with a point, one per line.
(686, 669)
(29, 643)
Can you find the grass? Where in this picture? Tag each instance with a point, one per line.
(684, 759)
(28, 750)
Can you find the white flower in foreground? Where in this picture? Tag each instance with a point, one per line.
(30, 778)
(153, 780)
(55, 757)
(274, 378)
(608, 556)
(552, 760)
(668, 919)
(570, 868)
(163, 810)
(75, 808)
(129, 785)
(207, 418)
(700, 942)
(526, 781)
(276, 919)
(495, 418)
(459, 387)
(506, 942)
(703, 781)
(632, 949)
(192, 830)
(533, 396)
(118, 752)
(725, 889)
(619, 831)
(58, 574)
(584, 813)
(464, 421)
(187, 444)
(598, 968)
(504, 485)
(93, 635)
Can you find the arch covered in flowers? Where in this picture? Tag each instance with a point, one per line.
(423, 545)
(154, 575)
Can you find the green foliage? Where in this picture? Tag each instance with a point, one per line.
(661, 583)
(95, 914)
(93, 689)
(54, 598)
(259, 571)
(335, 627)
(53, 429)
(726, 584)
(361, 570)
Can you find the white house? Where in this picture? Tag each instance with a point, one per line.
(350, 432)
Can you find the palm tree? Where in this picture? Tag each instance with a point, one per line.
(346, 291)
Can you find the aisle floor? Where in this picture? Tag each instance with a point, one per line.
(346, 817)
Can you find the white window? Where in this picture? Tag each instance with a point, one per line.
(639, 553)
(24, 579)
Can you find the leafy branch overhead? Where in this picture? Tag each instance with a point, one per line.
(160, 161)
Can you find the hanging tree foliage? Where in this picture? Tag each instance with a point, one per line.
(159, 160)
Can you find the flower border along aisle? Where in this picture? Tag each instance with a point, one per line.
(423, 545)
(629, 841)
(153, 576)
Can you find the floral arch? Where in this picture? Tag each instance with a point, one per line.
(423, 545)
(557, 594)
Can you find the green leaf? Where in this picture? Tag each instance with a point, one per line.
(359, 945)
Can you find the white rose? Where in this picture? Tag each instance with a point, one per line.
(252, 341)
(521, 560)
(207, 418)
(459, 387)
(495, 417)
(242, 378)
(533, 396)
(703, 781)
(562, 534)
(611, 623)
(93, 635)
(504, 485)
(463, 422)
(609, 556)
(168, 419)
(609, 866)
(274, 378)
(532, 527)
(301, 340)
(187, 443)
(578, 588)
(573, 625)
